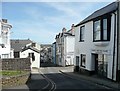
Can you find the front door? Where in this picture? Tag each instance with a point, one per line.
(77, 63)
(96, 63)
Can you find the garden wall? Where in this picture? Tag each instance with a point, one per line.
(16, 64)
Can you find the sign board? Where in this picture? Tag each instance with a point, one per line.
(97, 51)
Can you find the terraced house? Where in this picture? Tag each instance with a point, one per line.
(5, 47)
(97, 43)
(65, 47)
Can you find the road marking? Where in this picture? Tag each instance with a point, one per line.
(49, 81)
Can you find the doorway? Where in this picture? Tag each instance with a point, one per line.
(77, 64)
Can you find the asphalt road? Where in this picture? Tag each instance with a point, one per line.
(67, 83)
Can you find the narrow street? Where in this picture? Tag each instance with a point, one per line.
(64, 82)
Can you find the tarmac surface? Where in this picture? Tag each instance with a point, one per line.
(50, 77)
(94, 79)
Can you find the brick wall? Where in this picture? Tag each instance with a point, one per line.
(16, 64)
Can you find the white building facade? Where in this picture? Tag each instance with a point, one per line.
(34, 54)
(65, 47)
(5, 48)
(96, 43)
(68, 52)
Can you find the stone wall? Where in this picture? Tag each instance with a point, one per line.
(22, 64)
(11, 81)
(16, 64)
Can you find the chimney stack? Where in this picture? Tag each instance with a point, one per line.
(63, 30)
(72, 29)
(4, 20)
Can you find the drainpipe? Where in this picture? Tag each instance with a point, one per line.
(118, 41)
(114, 47)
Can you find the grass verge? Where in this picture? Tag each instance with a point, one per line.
(11, 72)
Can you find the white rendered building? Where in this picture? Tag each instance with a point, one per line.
(65, 47)
(5, 48)
(96, 43)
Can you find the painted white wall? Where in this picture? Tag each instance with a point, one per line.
(35, 63)
(5, 50)
(88, 46)
(12, 53)
(68, 50)
(70, 41)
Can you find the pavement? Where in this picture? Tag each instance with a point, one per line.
(95, 79)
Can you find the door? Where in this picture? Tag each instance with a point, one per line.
(77, 64)
(96, 63)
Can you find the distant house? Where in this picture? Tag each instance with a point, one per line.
(27, 48)
(97, 43)
(33, 53)
(45, 53)
(65, 47)
(18, 45)
(5, 49)
(54, 52)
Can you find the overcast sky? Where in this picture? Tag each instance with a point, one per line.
(41, 21)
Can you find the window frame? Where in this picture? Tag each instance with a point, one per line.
(81, 64)
(5, 56)
(108, 17)
(80, 38)
(32, 56)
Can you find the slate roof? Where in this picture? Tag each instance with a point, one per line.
(32, 48)
(46, 45)
(17, 45)
(107, 9)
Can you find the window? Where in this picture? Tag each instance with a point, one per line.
(104, 29)
(97, 30)
(16, 55)
(102, 65)
(83, 60)
(101, 29)
(4, 39)
(82, 30)
(5, 56)
(32, 56)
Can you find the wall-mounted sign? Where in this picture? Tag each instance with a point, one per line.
(101, 51)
